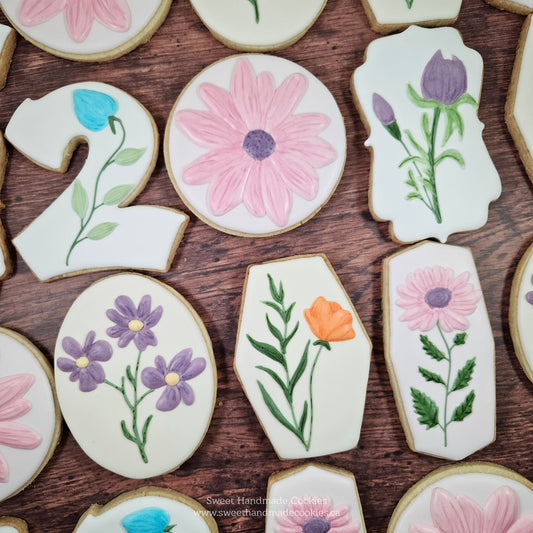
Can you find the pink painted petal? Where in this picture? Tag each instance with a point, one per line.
(243, 88)
(13, 387)
(4, 470)
(207, 130)
(290, 529)
(221, 104)
(315, 151)
(423, 528)
(15, 409)
(225, 192)
(354, 527)
(285, 99)
(252, 195)
(454, 515)
(212, 165)
(275, 194)
(34, 12)
(79, 16)
(501, 510)
(303, 125)
(523, 525)
(296, 174)
(113, 14)
(266, 89)
(18, 435)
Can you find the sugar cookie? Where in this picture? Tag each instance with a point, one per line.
(522, 7)
(86, 227)
(135, 375)
(86, 30)
(439, 350)
(258, 25)
(255, 145)
(417, 94)
(8, 524)
(293, 311)
(30, 422)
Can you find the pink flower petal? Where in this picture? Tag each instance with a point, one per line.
(4, 470)
(13, 387)
(285, 99)
(113, 14)
(15, 409)
(302, 125)
(214, 164)
(265, 90)
(501, 510)
(225, 192)
(34, 12)
(220, 103)
(453, 516)
(423, 528)
(79, 16)
(295, 173)
(18, 435)
(315, 151)
(523, 525)
(275, 194)
(252, 195)
(354, 527)
(243, 88)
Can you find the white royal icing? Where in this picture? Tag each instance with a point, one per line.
(94, 417)
(418, 266)
(143, 237)
(181, 151)
(8, 529)
(340, 376)
(392, 63)
(280, 22)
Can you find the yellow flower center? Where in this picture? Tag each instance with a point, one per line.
(135, 325)
(82, 362)
(172, 379)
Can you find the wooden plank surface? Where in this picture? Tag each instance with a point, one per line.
(236, 458)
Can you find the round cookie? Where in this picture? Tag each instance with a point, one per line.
(9, 524)
(522, 7)
(30, 424)
(86, 30)
(255, 145)
(258, 25)
(135, 375)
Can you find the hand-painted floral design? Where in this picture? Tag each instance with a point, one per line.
(95, 111)
(436, 298)
(79, 15)
(529, 295)
(149, 520)
(329, 323)
(460, 514)
(13, 405)
(312, 514)
(443, 85)
(255, 4)
(174, 378)
(85, 366)
(260, 152)
(409, 3)
(132, 323)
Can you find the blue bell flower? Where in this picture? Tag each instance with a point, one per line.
(149, 520)
(93, 108)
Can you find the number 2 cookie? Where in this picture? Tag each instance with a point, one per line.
(86, 30)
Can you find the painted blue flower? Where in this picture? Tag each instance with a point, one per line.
(93, 108)
(149, 520)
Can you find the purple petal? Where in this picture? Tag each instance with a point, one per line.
(67, 365)
(87, 382)
(529, 297)
(72, 347)
(180, 362)
(169, 400)
(145, 338)
(116, 331)
(444, 80)
(383, 109)
(144, 307)
(125, 338)
(187, 392)
(75, 375)
(88, 341)
(152, 378)
(100, 351)
(116, 317)
(154, 317)
(96, 371)
(160, 364)
(196, 367)
(126, 306)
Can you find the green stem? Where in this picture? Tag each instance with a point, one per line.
(78, 239)
(308, 445)
(445, 421)
(256, 9)
(431, 157)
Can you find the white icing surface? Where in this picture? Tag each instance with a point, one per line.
(477, 485)
(313, 482)
(340, 378)
(406, 354)
(94, 417)
(145, 236)
(180, 151)
(53, 33)
(16, 358)
(280, 21)
(7, 529)
(391, 64)
(4, 34)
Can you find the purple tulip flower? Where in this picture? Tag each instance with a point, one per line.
(383, 109)
(85, 368)
(444, 80)
(174, 378)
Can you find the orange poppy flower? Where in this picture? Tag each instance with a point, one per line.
(329, 321)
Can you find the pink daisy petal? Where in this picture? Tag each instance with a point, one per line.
(265, 90)
(296, 174)
(212, 165)
(349, 528)
(34, 12)
(220, 102)
(423, 528)
(451, 515)
(18, 435)
(288, 529)
(15, 409)
(275, 193)
(285, 99)
(4, 470)
(225, 192)
(522, 525)
(245, 94)
(303, 125)
(501, 510)
(252, 195)
(79, 16)
(315, 151)
(13, 387)
(113, 14)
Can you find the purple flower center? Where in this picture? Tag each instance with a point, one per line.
(316, 525)
(438, 297)
(259, 144)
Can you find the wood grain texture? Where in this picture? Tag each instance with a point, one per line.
(236, 458)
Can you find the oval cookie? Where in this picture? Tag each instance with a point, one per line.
(30, 422)
(86, 30)
(255, 145)
(135, 375)
(8, 524)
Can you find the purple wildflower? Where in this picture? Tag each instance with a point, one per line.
(134, 323)
(174, 378)
(86, 369)
(383, 109)
(529, 295)
(444, 80)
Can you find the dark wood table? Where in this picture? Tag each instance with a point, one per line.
(236, 459)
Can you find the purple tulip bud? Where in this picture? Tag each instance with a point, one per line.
(443, 80)
(383, 109)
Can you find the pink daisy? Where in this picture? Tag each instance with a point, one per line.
(79, 14)
(460, 514)
(435, 295)
(316, 515)
(260, 153)
(12, 406)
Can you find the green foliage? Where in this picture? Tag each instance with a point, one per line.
(101, 231)
(431, 349)
(464, 376)
(425, 408)
(465, 409)
(116, 194)
(80, 200)
(431, 376)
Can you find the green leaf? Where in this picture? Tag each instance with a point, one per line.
(116, 194)
(268, 350)
(288, 339)
(277, 379)
(303, 418)
(411, 159)
(419, 101)
(431, 349)
(300, 369)
(466, 99)
(425, 127)
(129, 375)
(111, 119)
(276, 308)
(451, 154)
(273, 408)
(125, 431)
(425, 408)
(145, 428)
(129, 156)
(274, 330)
(273, 291)
(465, 409)
(454, 122)
(414, 196)
(101, 231)
(460, 339)
(431, 376)
(288, 313)
(409, 3)
(418, 148)
(464, 376)
(80, 200)
(410, 181)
